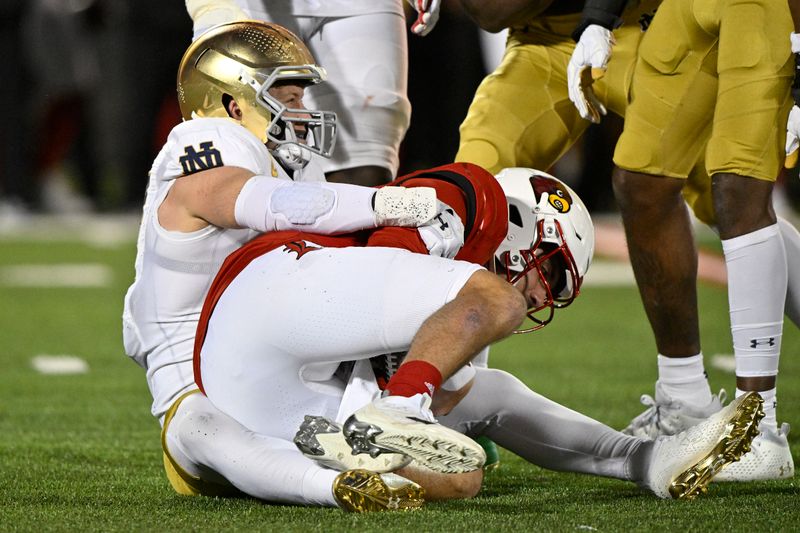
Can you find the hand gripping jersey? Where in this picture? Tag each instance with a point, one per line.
(471, 191)
(174, 269)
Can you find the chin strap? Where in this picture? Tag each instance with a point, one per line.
(292, 156)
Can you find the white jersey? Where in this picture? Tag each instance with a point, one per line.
(175, 269)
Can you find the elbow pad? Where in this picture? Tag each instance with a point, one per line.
(268, 204)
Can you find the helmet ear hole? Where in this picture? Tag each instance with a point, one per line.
(514, 216)
(226, 103)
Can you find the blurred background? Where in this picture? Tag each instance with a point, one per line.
(88, 97)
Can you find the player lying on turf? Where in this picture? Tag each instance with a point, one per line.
(241, 163)
(292, 320)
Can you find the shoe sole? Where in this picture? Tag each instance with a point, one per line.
(320, 439)
(432, 446)
(362, 491)
(735, 441)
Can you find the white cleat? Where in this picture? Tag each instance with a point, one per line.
(322, 440)
(682, 465)
(769, 458)
(667, 416)
(396, 424)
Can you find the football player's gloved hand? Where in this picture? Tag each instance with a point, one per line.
(792, 137)
(588, 64)
(793, 125)
(208, 13)
(427, 15)
(407, 207)
(444, 234)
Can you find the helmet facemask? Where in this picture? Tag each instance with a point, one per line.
(295, 133)
(559, 278)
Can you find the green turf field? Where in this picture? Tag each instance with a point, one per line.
(81, 452)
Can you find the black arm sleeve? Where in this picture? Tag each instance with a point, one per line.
(605, 13)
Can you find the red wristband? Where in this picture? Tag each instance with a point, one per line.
(414, 377)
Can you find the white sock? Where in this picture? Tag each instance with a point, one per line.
(684, 378)
(770, 405)
(757, 282)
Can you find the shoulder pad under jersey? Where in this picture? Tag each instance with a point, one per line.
(205, 143)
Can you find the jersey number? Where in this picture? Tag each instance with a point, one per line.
(203, 159)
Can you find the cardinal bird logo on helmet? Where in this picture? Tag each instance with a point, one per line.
(557, 196)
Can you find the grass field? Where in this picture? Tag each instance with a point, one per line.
(81, 451)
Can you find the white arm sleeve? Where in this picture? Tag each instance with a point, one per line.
(208, 13)
(269, 204)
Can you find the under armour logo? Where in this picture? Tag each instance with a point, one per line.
(755, 343)
(442, 224)
(393, 503)
(196, 160)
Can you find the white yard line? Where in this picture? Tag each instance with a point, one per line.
(59, 364)
(604, 273)
(72, 275)
(726, 363)
(102, 231)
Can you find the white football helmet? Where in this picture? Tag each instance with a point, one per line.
(243, 60)
(546, 220)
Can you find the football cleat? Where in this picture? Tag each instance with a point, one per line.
(322, 440)
(769, 458)
(491, 451)
(397, 424)
(682, 465)
(668, 416)
(362, 491)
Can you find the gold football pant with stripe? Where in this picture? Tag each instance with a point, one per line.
(712, 76)
(521, 114)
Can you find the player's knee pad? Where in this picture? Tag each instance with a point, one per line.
(371, 125)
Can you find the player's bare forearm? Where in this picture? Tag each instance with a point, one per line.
(496, 16)
(486, 310)
(208, 197)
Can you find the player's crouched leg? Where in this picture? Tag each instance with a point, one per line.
(179, 472)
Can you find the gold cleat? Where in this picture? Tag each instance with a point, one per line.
(741, 429)
(362, 491)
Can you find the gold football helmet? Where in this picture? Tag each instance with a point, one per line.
(243, 60)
